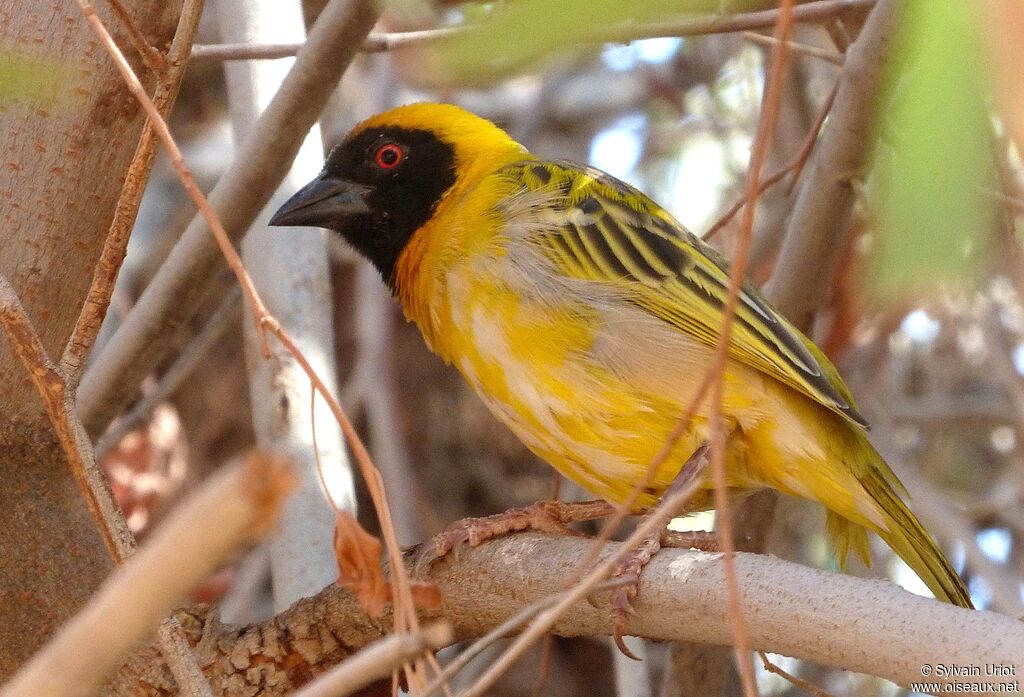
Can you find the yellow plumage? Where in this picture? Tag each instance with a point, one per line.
(585, 317)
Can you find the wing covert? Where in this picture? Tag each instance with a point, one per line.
(598, 228)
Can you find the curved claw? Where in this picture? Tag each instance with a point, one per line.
(621, 646)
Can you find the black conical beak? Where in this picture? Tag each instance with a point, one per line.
(324, 202)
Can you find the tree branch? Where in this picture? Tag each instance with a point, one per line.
(258, 168)
(817, 230)
(690, 26)
(236, 506)
(868, 626)
(94, 309)
(290, 271)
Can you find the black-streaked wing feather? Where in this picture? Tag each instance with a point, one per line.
(601, 229)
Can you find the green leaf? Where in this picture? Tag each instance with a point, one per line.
(517, 33)
(934, 156)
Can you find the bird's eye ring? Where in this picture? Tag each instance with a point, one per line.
(389, 156)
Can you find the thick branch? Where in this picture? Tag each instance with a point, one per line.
(867, 626)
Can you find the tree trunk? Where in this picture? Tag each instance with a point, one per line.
(66, 154)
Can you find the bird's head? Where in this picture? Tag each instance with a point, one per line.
(392, 172)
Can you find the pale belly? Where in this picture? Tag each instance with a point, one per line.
(598, 400)
(596, 427)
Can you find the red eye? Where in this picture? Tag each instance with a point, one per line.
(389, 156)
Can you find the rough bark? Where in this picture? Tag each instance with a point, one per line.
(65, 160)
(858, 624)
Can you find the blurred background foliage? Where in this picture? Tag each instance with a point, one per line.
(925, 316)
(935, 153)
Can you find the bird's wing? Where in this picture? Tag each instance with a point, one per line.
(593, 227)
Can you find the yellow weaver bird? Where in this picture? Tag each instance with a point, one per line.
(585, 316)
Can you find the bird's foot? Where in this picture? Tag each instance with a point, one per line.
(543, 516)
(622, 597)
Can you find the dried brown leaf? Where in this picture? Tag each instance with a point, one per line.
(358, 554)
(359, 569)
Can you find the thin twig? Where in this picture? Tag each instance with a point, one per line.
(376, 661)
(374, 43)
(153, 59)
(795, 166)
(691, 26)
(97, 300)
(798, 681)
(193, 355)
(812, 135)
(833, 57)
(723, 517)
(405, 616)
(236, 506)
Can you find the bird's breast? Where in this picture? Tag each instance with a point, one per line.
(546, 364)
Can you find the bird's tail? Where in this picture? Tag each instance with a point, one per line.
(905, 535)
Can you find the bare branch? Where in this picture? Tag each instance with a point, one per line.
(235, 507)
(260, 165)
(817, 230)
(153, 59)
(180, 370)
(863, 625)
(291, 271)
(833, 57)
(102, 287)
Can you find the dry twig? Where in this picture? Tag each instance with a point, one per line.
(260, 164)
(723, 516)
(833, 57)
(376, 661)
(94, 309)
(795, 166)
(193, 355)
(795, 680)
(405, 617)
